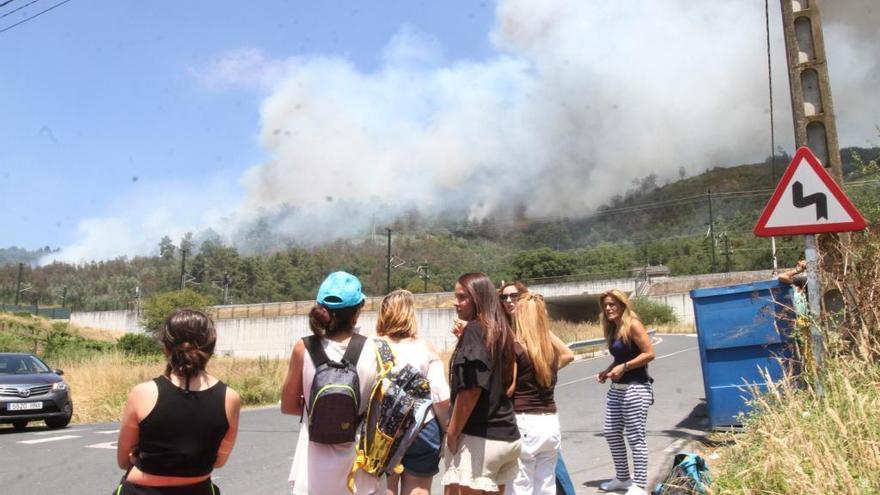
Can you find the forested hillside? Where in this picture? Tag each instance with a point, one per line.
(673, 224)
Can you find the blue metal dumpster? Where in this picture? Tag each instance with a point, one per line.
(741, 329)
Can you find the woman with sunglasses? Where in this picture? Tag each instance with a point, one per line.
(539, 356)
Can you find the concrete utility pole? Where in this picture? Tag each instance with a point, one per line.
(18, 285)
(811, 105)
(388, 265)
(183, 269)
(711, 227)
(814, 125)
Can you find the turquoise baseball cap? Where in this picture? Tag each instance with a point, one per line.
(340, 290)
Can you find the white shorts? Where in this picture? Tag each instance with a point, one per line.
(481, 463)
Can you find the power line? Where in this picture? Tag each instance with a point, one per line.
(7, 2)
(33, 16)
(16, 10)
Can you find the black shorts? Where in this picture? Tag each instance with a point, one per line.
(201, 488)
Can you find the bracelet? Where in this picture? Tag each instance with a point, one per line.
(625, 366)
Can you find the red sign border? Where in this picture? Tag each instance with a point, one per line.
(804, 153)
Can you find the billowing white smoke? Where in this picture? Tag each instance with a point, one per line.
(581, 98)
(584, 97)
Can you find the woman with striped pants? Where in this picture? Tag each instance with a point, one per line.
(630, 393)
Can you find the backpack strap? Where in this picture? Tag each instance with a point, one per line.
(319, 357)
(353, 351)
(384, 355)
(316, 350)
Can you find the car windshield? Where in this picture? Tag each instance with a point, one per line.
(21, 365)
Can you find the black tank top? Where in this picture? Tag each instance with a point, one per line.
(182, 433)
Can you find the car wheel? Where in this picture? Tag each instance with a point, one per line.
(19, 425)
(56, 423)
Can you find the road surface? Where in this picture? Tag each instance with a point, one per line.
(81, 459)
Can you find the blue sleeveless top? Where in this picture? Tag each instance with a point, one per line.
(627, 352)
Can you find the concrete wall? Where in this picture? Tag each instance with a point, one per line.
(681, 304)
(120, 321)
(274, 336)
(587, 287)
(268, 331)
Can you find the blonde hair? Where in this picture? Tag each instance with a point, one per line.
(610, 330)
(397, 315)
(533, 332)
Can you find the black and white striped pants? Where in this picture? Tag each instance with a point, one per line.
(626, 410)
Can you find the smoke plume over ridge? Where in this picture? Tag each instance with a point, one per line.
(580, 99)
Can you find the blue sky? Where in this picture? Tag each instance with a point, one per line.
(103, 99)
(125, 121)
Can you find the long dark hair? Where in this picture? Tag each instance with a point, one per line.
(497, 335)
(189, 337)
(325, 322)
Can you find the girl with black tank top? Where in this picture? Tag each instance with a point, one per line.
(179, 426)
(539, 355)
(630, 393)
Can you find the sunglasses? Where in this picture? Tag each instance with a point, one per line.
(511, 297)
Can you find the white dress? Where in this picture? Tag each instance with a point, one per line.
(320, 469)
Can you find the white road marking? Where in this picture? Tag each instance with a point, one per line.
(675, 445)
(107, 432)
(594, 376)
(105, 445)
(52, 439)
(54, 432)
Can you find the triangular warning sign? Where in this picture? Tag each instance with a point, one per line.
(807, 201)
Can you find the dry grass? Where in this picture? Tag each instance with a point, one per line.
(100, 386)
(572, 332)
(820, 433)
(799, 442)
(95, 333)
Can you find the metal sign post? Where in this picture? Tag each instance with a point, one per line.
(814, 289)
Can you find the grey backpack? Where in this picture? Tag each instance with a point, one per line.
(334, 402)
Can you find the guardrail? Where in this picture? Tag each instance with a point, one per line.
(580, 344)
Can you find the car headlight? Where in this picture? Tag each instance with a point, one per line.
(59, 386)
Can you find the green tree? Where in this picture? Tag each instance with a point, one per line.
(653, 312)
(157, 308)
(541, 263)
(166, 248)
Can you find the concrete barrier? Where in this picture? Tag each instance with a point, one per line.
(120, 321)
(274, 336)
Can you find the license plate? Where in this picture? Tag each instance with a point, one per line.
(23, 406)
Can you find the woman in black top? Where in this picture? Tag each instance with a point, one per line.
(630, 394)
(178, 427)
(482, 438)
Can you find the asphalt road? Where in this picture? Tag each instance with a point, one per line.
(80, 459)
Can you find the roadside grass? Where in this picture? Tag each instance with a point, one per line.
(819, 433)
(797, 441)
(100, 386)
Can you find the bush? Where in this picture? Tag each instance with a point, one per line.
(136, 344)
(60, 343)
(654, 313)
(157, 308)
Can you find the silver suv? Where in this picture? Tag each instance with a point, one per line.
(31, 391)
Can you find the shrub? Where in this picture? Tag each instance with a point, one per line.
(136, 344)
(652, 312)
(60, 343)
(157, 308)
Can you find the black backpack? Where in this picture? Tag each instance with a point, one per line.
(334, 401)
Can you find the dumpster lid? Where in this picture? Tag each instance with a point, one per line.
(736, 289)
